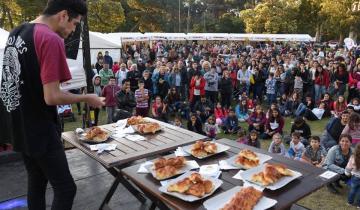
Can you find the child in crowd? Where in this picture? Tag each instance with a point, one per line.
(314, 153)
(315, 113)
(353, 169)
(142, 100)
(220, 114)
(194, 124)
(300, 126)
(159, 110)
(253, 139)
(270, 84)
(274, 124)
(242, 138)
(211, 129)
(257, 120)
(296, 147)
(338, 106)
(109, 92)
(276, 146)
(242, 111)
(355, 103)
(231, 125)
(178, 122)
(298, 86)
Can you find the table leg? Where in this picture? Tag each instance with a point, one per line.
(132, 189)
(110, 193)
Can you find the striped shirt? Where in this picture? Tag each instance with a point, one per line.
(138, 96)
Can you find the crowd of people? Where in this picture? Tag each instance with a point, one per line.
(215, 86)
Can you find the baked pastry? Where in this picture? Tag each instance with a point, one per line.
(271, 174)
(166, 168)
(247, 159)
(245, 199)
(152, 127)
(96, 134)
(193, 185)
(202, 149)
(135, 120)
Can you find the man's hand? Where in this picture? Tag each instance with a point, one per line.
(95, 101)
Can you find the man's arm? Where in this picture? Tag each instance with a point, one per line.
(54, 96)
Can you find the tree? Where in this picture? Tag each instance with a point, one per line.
(105, 15)
(9, 14)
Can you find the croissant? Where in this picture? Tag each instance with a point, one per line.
(135, 120)
(245, 199)
(165, 168)
(271, 174)
(181, 186)
(202, 149)
(197, 190)
(193, 185)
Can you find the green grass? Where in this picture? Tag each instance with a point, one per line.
(321, 199)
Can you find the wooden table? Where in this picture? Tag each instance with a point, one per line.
(286, 196)
(127, 151)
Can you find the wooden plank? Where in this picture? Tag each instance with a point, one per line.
(130, 144)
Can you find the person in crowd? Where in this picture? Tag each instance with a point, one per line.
(204, 108)
(341, 79)
(281, 103)
(321, 81)
(176, 79)
(337, 159)
(300, 126)
(296, 147)
(197, 88)
(177, 121)
(316, 113)
(126, 101)
(253, 139)
(270, 85)
(133, 75)
(352, 170)
(274, 124)
(220, 114)
(231, 125)
(173, 100)
(211, 128)
(308, 104)
(105, 75)
(142, 100)
(292, 105)
(273, 106)
(242, 110)
(314, 153)
(184, 86)
(355, 104)
(163, 87)
(243, 77)
(99, 65)
(159, 110)
(109, 92)
(211, 85)
(328, 102)
(259, 78)
(299, 86)
(97, 90)
(115, 68)
(195, 125)
(353, 128)
(257, 120)
(108, 59)
(241, 136)
(276, 146)
(121, 74)
(339, 106)
(354, 83)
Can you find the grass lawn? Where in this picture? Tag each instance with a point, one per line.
(321, 199)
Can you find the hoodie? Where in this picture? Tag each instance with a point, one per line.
(97, 88)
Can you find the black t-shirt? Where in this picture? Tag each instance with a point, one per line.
(336, 129)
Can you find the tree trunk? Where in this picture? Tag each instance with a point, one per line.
(318, 33)
(341, 38)
(3, 15)
(10, 19)
(352, 33)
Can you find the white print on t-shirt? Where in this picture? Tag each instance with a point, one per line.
(10, 80)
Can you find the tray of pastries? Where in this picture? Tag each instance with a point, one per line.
(270, 176)
(240, 198)
(146, 128)
(203, 149)
(136, 120)
(191, 186)
(164, 168)
(95, 135)
(248, 159)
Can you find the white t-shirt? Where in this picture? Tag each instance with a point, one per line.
(318, 112)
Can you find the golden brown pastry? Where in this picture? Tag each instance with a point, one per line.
(96, 134)
(197, 190)
(202, 149)
(208, 186)
(135, 120)
(245, 199)
(193, 185)
(271, 174)
(180, 186)
(166, 168)
(247, 158)
(152, 127)
(165, 172)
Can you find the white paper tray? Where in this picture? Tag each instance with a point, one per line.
(220, 148)
(246, 175)
(190, 198)
(187, 167)
(220, 200)
(262, 159)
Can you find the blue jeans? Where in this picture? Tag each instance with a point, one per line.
(300, 110)
(319, 90)
(271, 98)
(354, 191)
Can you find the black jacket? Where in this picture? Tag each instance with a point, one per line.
(126, 101)
(225, 85)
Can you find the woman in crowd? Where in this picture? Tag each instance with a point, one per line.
(257, 120)
(339, 106)
(274, 124)
(195, 125)
(337, 159)
(321, 81)
(353, 128)
(341, 79)
(159, 110)
(292, 105)
(197, 88)
(226, 89)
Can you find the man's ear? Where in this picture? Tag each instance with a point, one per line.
(63, 15)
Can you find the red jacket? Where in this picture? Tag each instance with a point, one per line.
(325, 81)
(354, 78)
(109, 92)
(220, 113)
(200, 87)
